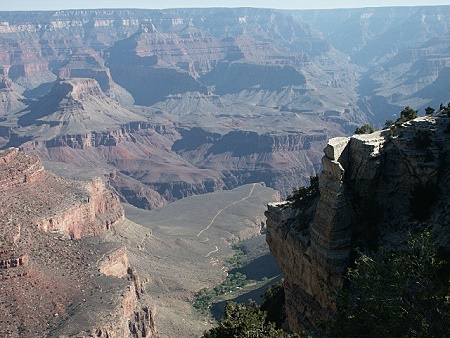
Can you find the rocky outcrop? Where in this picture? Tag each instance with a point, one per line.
(122, 134)
(10, 100)
(115, 263)
(85, 63)
(91, 209)
(129, 316)
(83, 209)
(148, 85)
(98, 210)
(373, 189)
(13, 264)
(62, 279)
(19, 169)
(73, 106)
(281, 160)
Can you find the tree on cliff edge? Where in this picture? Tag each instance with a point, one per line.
(249, 321)
(395, 294)
(407, 114)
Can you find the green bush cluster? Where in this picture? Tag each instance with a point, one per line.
(205, 297)
(249, 321)
(400, 293)
(236, 260)
(365, 129)
(241, 320)
(407, 114)
(429, 110)
(274, 304)
(303, 197)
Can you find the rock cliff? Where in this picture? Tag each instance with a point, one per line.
(374, 188)
(62, 279)
(264, 88)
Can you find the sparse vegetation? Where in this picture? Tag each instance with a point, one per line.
(252, 320)
(302, 197)
(249, 321)
(365, 129)
(388, 123)
(398, 293)
(429, 110)
(236, 260)
(205, 297)
(274, 304)
(407, 114)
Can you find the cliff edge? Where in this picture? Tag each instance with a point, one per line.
(374, 189)
(58, 277)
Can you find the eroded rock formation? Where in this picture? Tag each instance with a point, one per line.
(373, 189)
(61, 279)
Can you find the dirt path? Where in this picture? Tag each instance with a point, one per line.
(215, 250)
(224, 208)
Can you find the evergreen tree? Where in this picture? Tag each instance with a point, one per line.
(395, 294)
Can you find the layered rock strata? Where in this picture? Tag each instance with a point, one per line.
(61, 279)
(373, 189)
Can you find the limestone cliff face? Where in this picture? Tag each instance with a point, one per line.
(373, 189)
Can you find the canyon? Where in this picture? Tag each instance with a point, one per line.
(198, 86)
(74, 261)
(137, 145)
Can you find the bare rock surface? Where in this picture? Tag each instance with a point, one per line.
(374, 188)
(55, 278)
(179, 65)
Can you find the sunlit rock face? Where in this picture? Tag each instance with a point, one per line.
(54, 262)
(374, 189)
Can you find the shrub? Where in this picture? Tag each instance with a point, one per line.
(205, 297)
(407, 114)
(303, 197)
(365, 129)
(388, 123)
(429, 110)
(249, 321)
(236, 260)
(274, 304)
(395, 294)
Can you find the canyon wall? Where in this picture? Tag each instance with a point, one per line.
(374, 189)
(63, 280)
